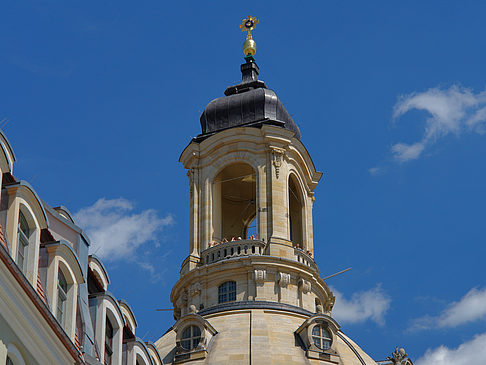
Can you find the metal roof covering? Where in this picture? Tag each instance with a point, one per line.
(249, 103)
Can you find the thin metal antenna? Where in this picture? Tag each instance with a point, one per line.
(3, 122)
(338, 273)
(164, 310)
(146, 333)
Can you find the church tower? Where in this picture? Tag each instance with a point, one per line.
(250, 290)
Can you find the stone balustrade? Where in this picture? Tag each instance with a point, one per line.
(304, 258)
(231, 249)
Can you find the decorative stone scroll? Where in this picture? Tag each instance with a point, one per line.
(283, 279)
(304, 286)
(260, 275)
(277, 157)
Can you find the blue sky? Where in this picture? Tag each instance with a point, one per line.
(101, 98)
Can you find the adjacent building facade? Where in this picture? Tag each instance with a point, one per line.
(55, 307)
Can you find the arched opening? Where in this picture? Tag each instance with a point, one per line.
(234, 202)
(296, 207)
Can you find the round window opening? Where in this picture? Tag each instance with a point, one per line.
(191, 337)
(321, 337)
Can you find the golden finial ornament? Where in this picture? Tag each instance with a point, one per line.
(247, 25)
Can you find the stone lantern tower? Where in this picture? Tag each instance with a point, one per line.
(250, 291)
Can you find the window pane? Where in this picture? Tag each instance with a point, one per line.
(317, 341)
(62, 281)
(227, 292)
(196, 331)
(326, 344)
(315, 331)
(187, 333)
(186, 344)
(23, 225)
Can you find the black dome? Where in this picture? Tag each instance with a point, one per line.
(249, 103)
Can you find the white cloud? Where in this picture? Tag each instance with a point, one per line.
(471, 307)
(371, 304)
(470, 352)
(455, 110)
(375, 170)
(116, 231)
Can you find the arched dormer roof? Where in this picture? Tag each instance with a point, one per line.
(154, 354)
(128, 314)
(7, 155)
(99, 270)
(110, 298)
(64, 212)
(64, 250)
(26, 191)
(141, 349)
(319, 317)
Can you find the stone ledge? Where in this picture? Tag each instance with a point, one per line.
(254, 305)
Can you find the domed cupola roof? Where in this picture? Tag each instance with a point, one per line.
(249, 104)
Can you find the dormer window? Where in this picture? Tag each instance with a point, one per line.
(321, 337)
(62, 289)
(191, 337)
(317, 334)
(23, 242)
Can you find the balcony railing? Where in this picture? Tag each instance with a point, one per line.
(304, 258)
(231, 249)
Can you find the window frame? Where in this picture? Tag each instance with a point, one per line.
(108, 341)
(62, 297)
(192, 337)
(23, 241)
(322, 339)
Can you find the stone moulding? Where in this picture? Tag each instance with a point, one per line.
(245, 305)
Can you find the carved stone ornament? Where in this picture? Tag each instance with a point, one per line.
(304, 286)
(329, 304)
(277, 157)
(184, 298)
(195, 289)
(283, 279)
(260, 276)
(398, 356)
